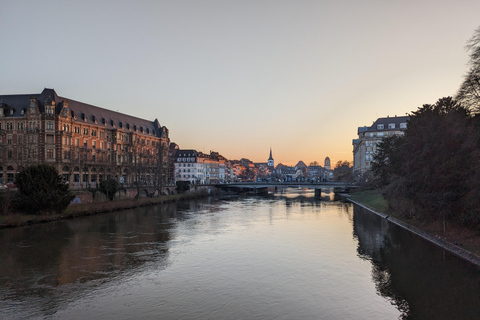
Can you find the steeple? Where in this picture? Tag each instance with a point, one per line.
(270, 160)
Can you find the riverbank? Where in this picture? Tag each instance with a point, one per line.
(459, 240)
(85, 209)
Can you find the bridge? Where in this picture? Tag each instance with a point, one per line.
(263, 187)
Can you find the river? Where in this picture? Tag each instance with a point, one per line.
(283, 256)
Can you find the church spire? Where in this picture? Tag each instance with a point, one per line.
(270, 160)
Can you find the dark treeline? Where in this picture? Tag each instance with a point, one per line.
(433, 171)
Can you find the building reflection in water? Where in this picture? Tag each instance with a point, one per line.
(86, 252)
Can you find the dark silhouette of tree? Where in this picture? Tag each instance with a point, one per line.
(183, 186)
(343, 171)
(387, 160)
(109, 187)
(434, 168)
(41, 190)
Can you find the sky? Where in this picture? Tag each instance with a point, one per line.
(241, 77)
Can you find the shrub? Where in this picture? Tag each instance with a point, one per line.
(41, 190)
(109, 187)
(183, 186)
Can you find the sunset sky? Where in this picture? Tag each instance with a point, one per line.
(239, 77)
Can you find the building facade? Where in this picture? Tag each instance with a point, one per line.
(86, 144)
(200, 168)
(365, 146)
(189, 166)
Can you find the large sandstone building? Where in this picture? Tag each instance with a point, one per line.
(85, 143)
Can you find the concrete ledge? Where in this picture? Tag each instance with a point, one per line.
(450, 247)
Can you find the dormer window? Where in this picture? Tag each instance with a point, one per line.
(141, 129)
(120, 124)
(380, 126)
(403, 125)
(128, 126)
(94, 119)
(12, 111)
(135, 128)
(391, 126)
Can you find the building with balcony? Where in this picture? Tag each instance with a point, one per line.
(85, 143)
(365, 146)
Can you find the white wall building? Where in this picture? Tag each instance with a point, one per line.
(368, 137)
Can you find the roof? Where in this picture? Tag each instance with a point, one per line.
(385, 122)
(186, 153)
(83, 112)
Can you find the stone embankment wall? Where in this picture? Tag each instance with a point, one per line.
(450, 247)
(85, 196)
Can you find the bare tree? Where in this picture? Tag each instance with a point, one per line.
(469, 92)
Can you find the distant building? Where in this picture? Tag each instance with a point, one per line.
(368, 137)
(188, 166)
(200, 168)
(319, 174)
(327, 163)
(285, 173)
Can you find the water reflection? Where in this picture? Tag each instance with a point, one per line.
(279, 256)
(421, 279)
(83, 252)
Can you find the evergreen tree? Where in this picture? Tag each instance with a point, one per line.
(41, 190)
(109, 187)
(436, 163)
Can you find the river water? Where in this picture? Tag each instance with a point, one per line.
(285, 256)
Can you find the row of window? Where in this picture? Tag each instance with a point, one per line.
(113, 124)
(188, 170)
(30, 139)
(402, 125)
(22, 126)
(31, 154)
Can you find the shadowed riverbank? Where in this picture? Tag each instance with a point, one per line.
(85, 209)
(461, 241)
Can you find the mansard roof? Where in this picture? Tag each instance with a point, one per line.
(83, 112)
(19, 102)
(186, 153)
(385, 122)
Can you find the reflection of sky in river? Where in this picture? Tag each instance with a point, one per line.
(284, 257)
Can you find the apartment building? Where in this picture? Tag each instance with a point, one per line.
(368, 137)
(85, 143)
(200, 168)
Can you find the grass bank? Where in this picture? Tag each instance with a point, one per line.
(372, 199)
(455, 234)
(16, 219)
